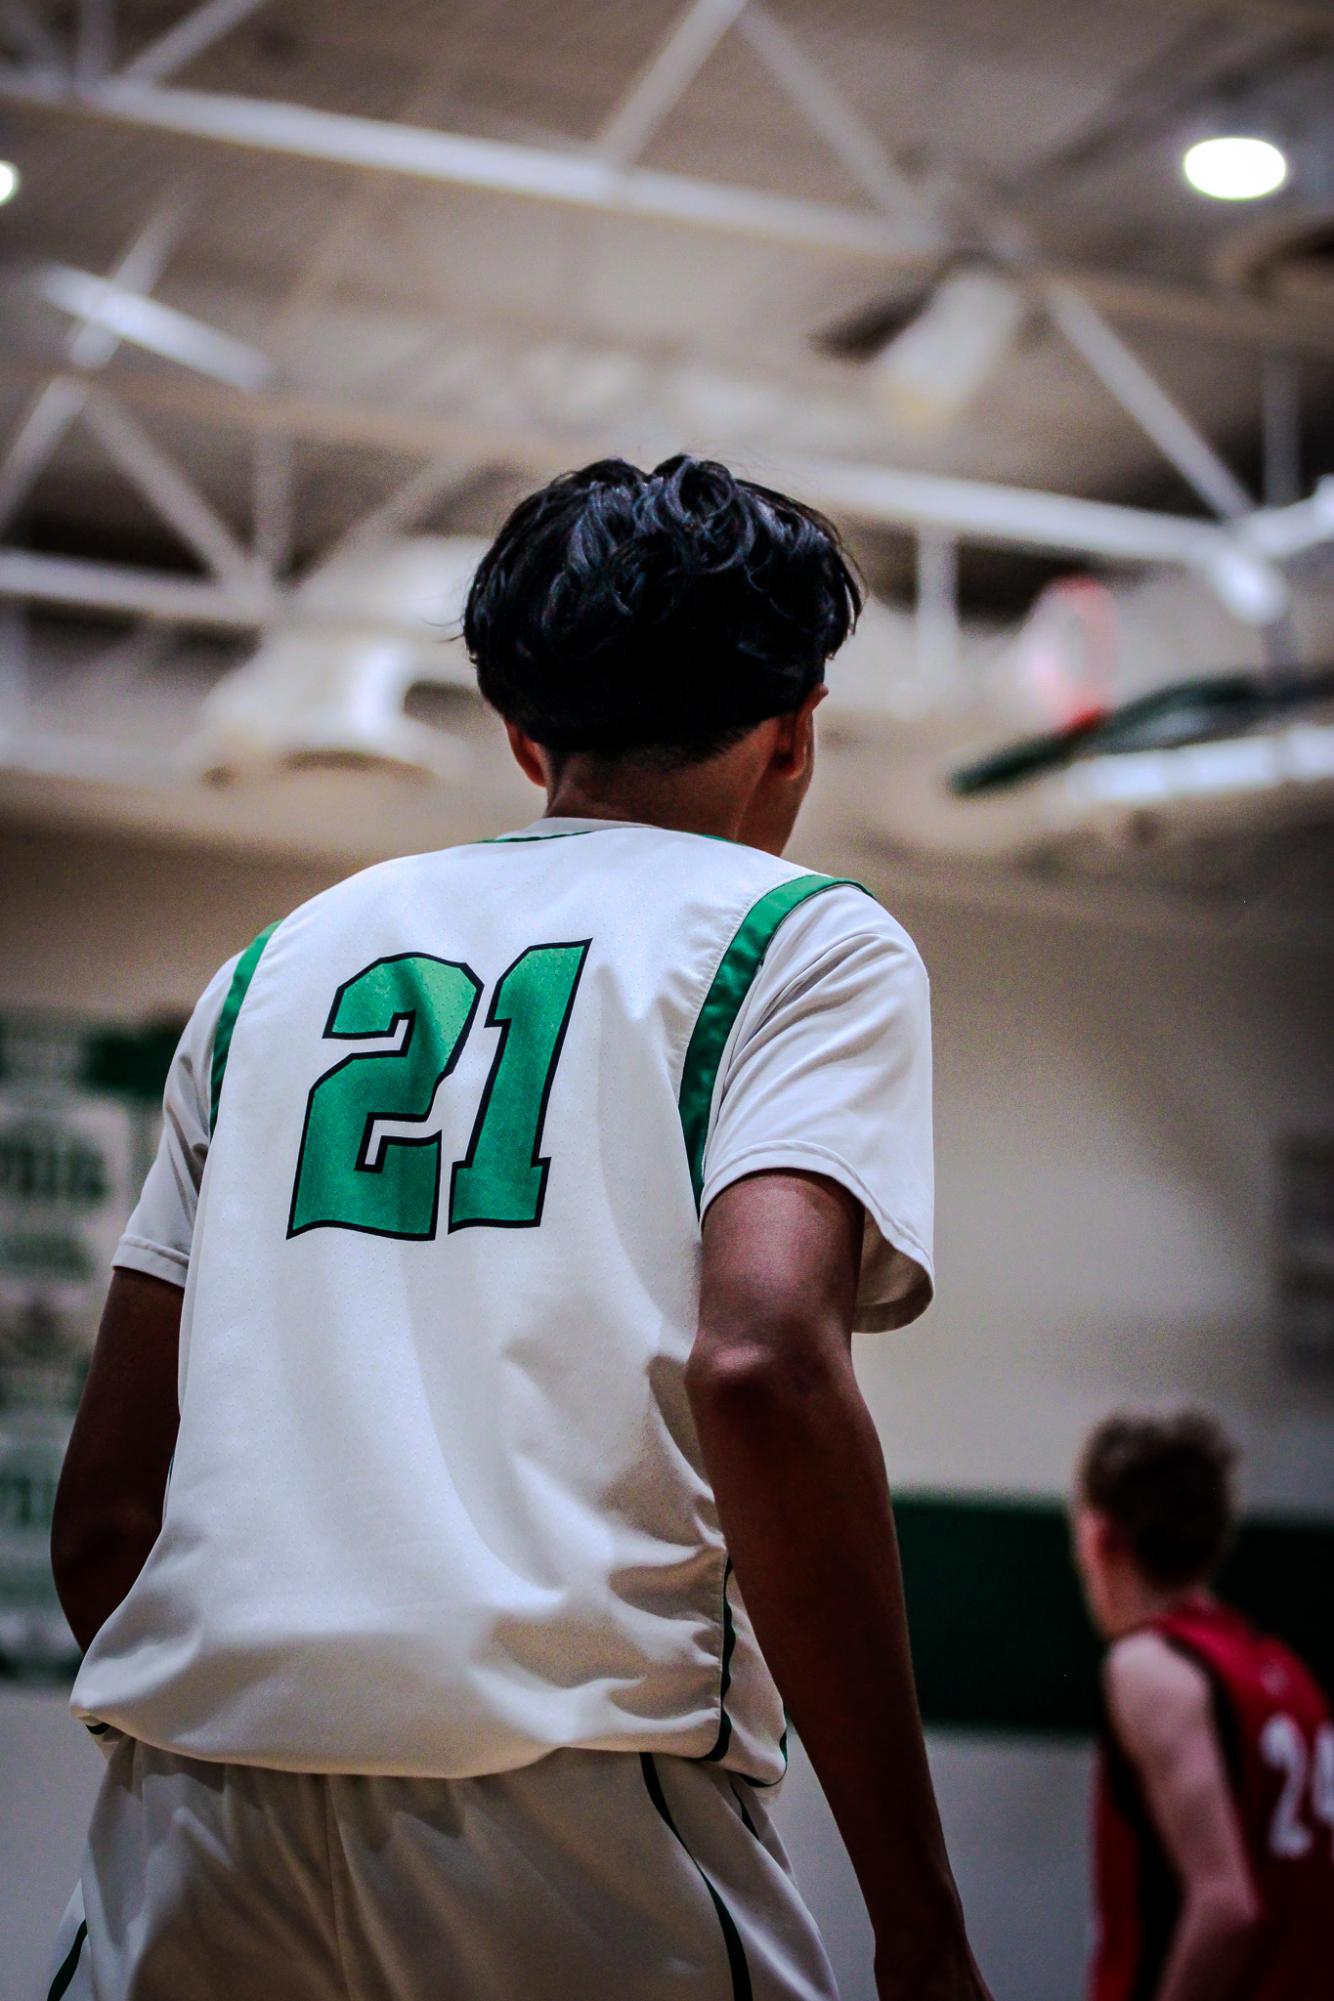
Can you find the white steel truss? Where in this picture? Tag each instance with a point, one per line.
(588, 181)
(907, 225)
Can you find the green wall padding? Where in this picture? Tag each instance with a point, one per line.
(1000, 1638)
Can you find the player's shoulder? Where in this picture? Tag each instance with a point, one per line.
(1141, 1657)
(368, 885)
(1151, 1687)
(841, 916)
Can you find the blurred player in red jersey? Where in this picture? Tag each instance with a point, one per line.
(1214, 1829)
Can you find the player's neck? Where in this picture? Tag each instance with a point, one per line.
(1138, 1602)
(698, 800)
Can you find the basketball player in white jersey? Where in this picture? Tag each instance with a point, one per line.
(471, 1465)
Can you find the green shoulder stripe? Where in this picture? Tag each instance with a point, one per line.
(731, 983)
(231, 1007)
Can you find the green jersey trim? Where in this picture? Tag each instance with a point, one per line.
(699, 1076)
(760, 1785)
(744, 1811)
(731, 983)
(231, 1007)
(736, 1951)
(724, 1737)
(69, 1965)
(564, 834)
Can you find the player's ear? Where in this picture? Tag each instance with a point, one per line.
(530, 757)
(1109, 1544)
(794, 751)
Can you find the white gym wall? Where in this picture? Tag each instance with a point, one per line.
(1105, 1232)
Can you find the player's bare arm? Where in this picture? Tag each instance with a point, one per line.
(1162, 1709)
(805, 1506)
(108, 1509)
(443, 1286)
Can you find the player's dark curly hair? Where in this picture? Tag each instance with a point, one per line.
(657, 614)
(1166, 1479)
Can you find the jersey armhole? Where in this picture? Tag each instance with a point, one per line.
(1222, 1710)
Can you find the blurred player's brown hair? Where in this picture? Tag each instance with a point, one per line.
(1166, 1480)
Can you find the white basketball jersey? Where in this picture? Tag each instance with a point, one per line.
(435, 1156)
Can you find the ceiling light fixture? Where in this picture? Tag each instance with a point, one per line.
(9, 181)
(1235, 168)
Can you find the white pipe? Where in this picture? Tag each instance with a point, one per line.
(188, 38)
(457, 159)
(829, 114)
(150, 594)
(41, 428)
(147, 323)
(1144, 399)
(668, 75)
(980, 511)
(177, 500)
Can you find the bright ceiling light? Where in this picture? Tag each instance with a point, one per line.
(1235, 168)
(9, 180)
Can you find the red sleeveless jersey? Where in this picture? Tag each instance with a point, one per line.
(1277, 1745)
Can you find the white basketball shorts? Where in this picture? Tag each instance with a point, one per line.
(590, 1876)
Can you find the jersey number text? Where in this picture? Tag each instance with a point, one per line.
(1283, 1746)
(370, 1154)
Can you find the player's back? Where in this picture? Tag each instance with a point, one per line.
(1277, 1745)
(437, 1505)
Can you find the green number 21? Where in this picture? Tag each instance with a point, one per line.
(370, 1154)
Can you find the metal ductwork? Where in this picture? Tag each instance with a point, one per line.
(329, 682)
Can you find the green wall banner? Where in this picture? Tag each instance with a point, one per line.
(1000, 1638)
(77, 1116)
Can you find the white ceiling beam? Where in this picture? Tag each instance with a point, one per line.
(666, 77)
(124, 590)
(1280, 533)
(402, 508)
(89, 346)
(980, 511)
(828, 112)
(584, 182)
(167, 489)
(42, 426)
(974, 510)
(411, 431)
(143, 322)
(1138, 392)
(334, 249)
(461, 160)
(160, 597)
(188, 38)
